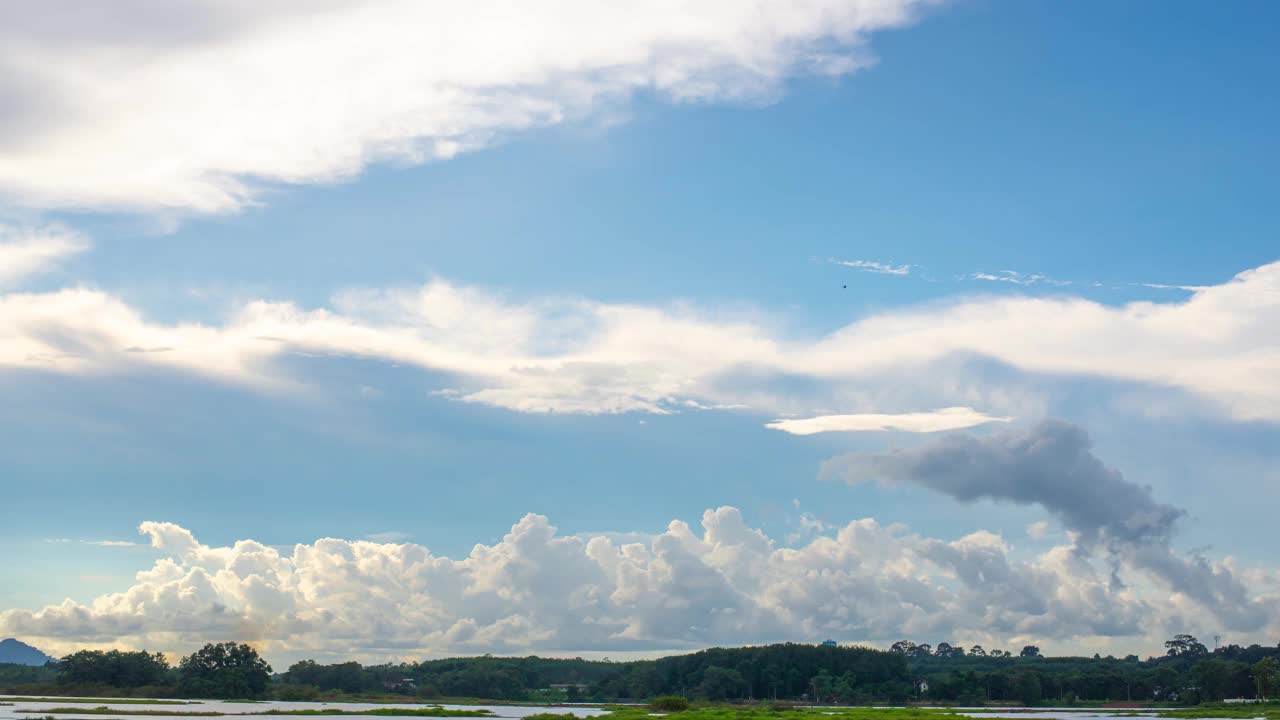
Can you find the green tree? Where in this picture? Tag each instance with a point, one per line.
(947, 650)
(1030, 651)
(1029, 688)
(117, 668)
(225, 670)
(773, 678)
(822, 684)
(722, 683)
(1185, 646)
(1219, 679)
(1266, 677)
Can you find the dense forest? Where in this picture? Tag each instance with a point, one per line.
(1187, 673)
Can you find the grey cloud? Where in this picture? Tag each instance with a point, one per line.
(1050, 464)
(1210, 585)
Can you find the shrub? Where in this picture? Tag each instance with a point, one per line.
(296, 693)
(670, 703)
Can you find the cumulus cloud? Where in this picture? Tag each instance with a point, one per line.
(28, 251)
(952, 418)
(1222, 345)
(143, 107)
(537, 590)
(1051, 465)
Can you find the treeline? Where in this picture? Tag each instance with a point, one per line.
(1187, 673)
(785, 671)
(775, 671)
(12, 674)
(218, 670)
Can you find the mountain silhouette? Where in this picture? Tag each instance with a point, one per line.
(14, 651)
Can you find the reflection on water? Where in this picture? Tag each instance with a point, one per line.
(13, 712)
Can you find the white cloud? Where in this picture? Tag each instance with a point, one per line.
(113, 543)
(29, 251)
(1222, 344)
(1038, 530)
(1019, 278)
(139, 106)
(389, 536)
(872, 266)
(536, 590)
(1162, 286)
(952, 418)
(1052, 465)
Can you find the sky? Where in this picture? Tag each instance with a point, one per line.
(392, 330)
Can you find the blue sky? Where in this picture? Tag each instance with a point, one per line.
(656, 246)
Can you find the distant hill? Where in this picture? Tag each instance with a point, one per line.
(20, 653)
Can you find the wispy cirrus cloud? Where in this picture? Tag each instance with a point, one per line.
(1013, 277)
(952, 418)
(389, 536)
(1162, 286)
(873, 266)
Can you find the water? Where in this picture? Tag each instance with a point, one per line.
(246, 711)
(12, 712)
(1039, 714)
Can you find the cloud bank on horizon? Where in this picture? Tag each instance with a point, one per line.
(207, 107)
(538, 591)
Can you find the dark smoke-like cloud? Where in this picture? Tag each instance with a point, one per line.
(1052, 465)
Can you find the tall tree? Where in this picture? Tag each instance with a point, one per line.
(1185, 646)
(225, 670)
(1266, 677)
